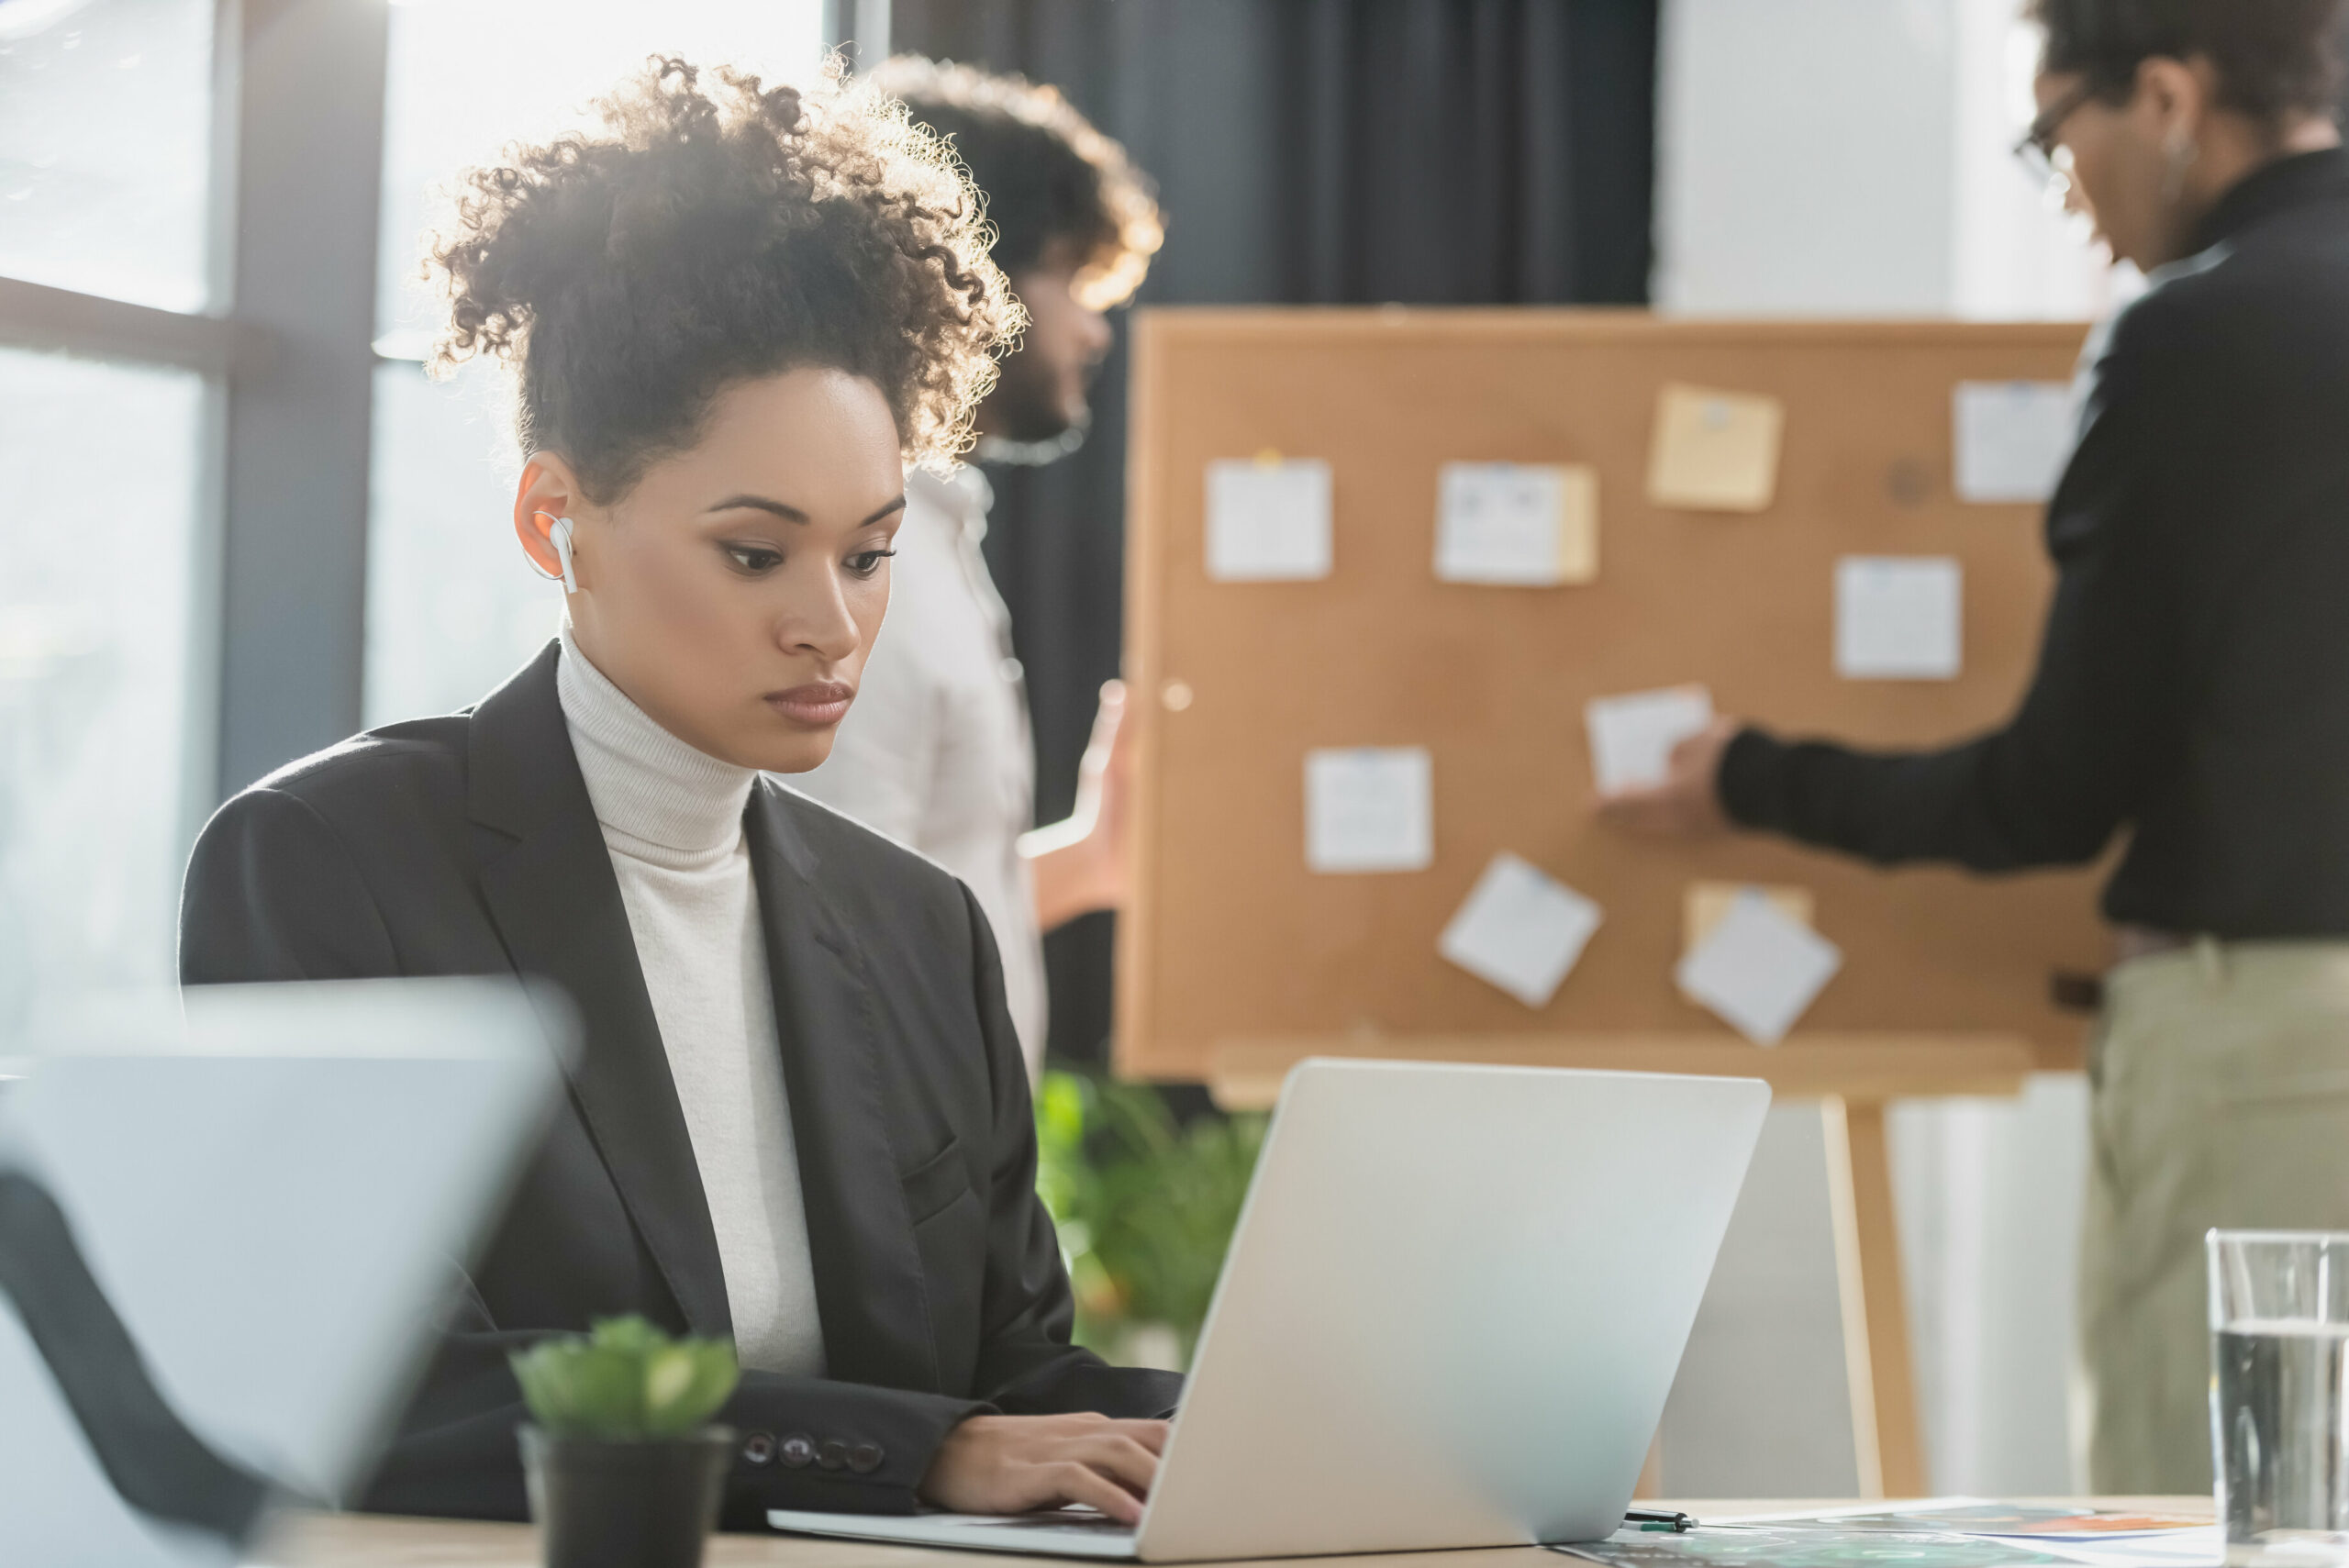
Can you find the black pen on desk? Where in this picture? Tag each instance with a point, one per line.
(1656, 1519)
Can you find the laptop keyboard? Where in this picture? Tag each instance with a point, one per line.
(1065, 1524)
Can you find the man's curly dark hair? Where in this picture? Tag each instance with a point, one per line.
(1051, 180)
(2274, 58)
(714, 230)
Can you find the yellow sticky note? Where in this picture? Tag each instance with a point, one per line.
(1708, 901)
(1578, 524)
(1715, 451)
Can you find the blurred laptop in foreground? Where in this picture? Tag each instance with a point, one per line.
(226, 1240)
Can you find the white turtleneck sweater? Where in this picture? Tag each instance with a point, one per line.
(671, 818)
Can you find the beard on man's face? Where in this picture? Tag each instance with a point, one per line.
(1026, 405)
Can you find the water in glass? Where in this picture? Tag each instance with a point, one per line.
(2280, 1397)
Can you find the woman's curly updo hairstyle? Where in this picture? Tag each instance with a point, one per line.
(711, 231)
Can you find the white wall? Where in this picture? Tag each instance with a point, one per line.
(1852, 158)
(1988, 1194)
(1791, 138)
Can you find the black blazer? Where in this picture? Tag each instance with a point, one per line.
(467, 845)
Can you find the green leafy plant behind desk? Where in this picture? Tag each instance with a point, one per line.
(1146, 1207)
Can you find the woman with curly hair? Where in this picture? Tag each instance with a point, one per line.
(800, 1117)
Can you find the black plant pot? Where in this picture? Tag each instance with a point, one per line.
(604, 1503)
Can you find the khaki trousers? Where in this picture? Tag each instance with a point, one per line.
(2220, 1081)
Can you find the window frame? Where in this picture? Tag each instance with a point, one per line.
(285, 351)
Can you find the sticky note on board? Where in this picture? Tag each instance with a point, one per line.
(1715, 451)
(1520, 930)
(1708, 902)
(1269, 520)
(1369, 809)
(1758, 970)
(1514, 525)
(1899, 618)
(1631, 736)
(2010, 440)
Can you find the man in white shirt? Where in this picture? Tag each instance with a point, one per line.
(936, 752)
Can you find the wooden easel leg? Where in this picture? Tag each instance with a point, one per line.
(1877, 1358)
(1651, 1483)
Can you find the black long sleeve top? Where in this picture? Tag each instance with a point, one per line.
(2193, 684)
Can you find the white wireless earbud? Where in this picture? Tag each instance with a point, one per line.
(561, 535)
(558, 535)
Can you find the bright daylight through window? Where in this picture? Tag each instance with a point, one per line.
(106, 698)
(105, 113)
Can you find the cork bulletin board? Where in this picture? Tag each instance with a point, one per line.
(1236, 959)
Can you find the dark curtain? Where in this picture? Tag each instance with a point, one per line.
(1307, 152)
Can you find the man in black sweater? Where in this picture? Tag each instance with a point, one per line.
(2193, 686)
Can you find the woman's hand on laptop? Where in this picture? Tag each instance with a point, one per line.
(1016, 1464)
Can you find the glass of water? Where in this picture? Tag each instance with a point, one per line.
(2279, 1408)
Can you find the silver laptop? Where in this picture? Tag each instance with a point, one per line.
(1450, 1315)
(226, 1240)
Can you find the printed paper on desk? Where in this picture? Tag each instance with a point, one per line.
(1899, 618)
(1631, 736)
(1520, 930)
(2012, 1521)
(1512, 524)
(2011, 439)
(1796, 1546)
(1268, 521)
(1758, 970)
(1715, 451)
(1369, 809)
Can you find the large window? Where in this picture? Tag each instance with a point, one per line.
(452, 608)
(98, 563)
(109, 400)
(105, 122)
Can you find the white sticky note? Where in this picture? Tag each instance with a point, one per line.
(1899, 618)
(1369, 809)
(1758, 970)
(1517, 525)
(1631, 736)
(1520, 930)
(2011, 439)
(1268, 521)
(1708, 902)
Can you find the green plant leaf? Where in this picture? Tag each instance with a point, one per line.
(626, 1380)
(607, 1389)
(1144, 1204)
(686, 1384)
(543, 1389)
(633, 1334)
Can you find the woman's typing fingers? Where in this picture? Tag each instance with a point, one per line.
(1118, 1457)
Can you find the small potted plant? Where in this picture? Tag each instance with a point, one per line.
(625, 1469)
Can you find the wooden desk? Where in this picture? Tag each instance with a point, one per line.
(362, 1540)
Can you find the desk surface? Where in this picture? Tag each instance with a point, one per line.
(360, 1540)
